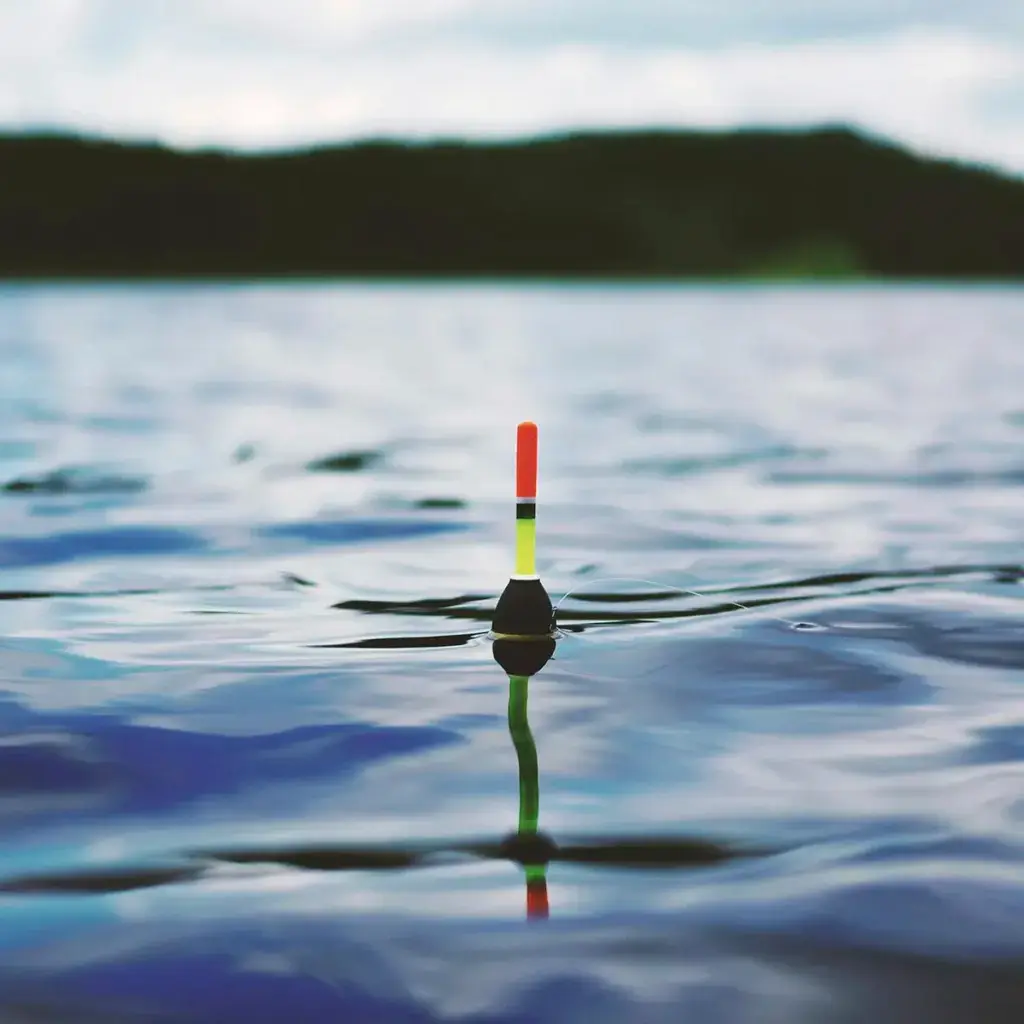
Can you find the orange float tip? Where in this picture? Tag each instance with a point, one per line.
(526, 460)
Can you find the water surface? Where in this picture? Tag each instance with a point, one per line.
(254, 755)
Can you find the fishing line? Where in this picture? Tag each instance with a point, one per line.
(793, 623)
(591, 677)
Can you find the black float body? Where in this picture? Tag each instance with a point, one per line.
(524, 610)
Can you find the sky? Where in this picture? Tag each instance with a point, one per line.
(943, 76)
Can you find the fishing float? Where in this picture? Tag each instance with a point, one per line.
(523, 630)
(524, 609)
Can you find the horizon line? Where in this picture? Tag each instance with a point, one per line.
(411, 140)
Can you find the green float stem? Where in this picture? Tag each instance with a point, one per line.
(526, 753)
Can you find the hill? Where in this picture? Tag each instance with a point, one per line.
(651, 204)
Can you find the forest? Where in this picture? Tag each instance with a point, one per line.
(660, 204)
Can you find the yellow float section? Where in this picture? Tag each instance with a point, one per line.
(526, 547)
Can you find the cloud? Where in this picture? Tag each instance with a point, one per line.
(698, 24)
(250, 73)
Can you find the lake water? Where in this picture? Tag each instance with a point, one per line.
(255, 759)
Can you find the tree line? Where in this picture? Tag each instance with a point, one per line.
(665, 204)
